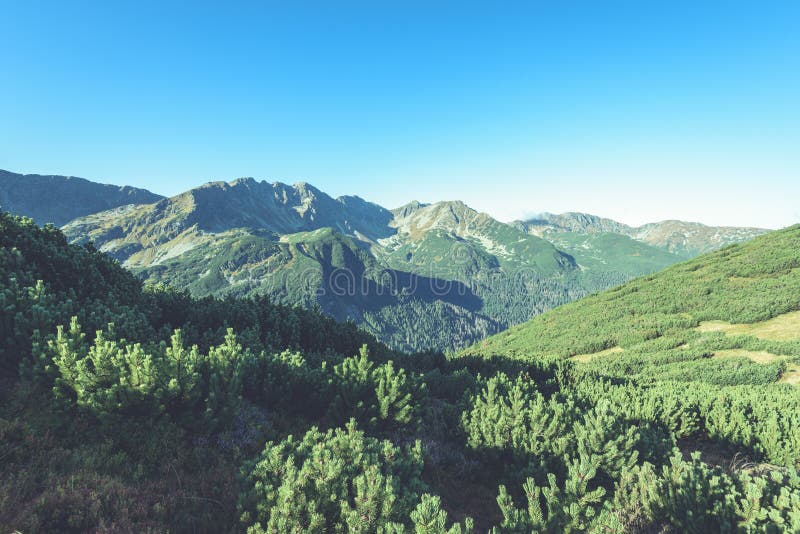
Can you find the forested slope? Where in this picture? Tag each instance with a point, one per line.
(130, 410)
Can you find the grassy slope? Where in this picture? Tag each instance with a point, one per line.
(613, 252)
(744, 283)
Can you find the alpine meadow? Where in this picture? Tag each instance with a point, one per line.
(546, 279)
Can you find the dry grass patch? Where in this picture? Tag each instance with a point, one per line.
(714, 326)
(583, 358)
(784, 327)
(756, 356)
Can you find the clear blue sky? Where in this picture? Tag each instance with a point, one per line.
(634, 110)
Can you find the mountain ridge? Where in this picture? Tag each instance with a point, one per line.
(67, 197)
(680, 237)
(401, 274)
(405, 272)
(445, 262)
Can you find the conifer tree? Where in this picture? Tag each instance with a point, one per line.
(571, 508)
(342, 480)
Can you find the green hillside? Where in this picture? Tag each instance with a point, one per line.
(421, 276)
(743, 283)
(242, 239)
(607, 259)
(709, 352)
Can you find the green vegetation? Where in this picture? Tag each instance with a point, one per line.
(663, 350)
(420, 277)
(341, 479)
(738, 284)
(125, 408)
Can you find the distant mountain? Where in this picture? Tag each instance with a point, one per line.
(59, 199)
(686, 239)
(420, 276)
(583, 223)
(440, 237)
(693, 239)
(437, 275)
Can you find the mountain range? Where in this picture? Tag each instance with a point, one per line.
(438, 275)
(59, 199)
(687, 239)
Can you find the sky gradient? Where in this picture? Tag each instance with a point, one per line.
(638, 111)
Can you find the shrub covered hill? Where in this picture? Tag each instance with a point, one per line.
(650, 408)
(708, 351)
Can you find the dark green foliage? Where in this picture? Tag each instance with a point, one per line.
(692, 497)
(107, 377)
(514, 424)
(760, 420)
(114, 378)
(339, 481)
(382, 396)
(571, 508)
(221, 371)
(429, 518)
(288, 381)
(606, 441)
